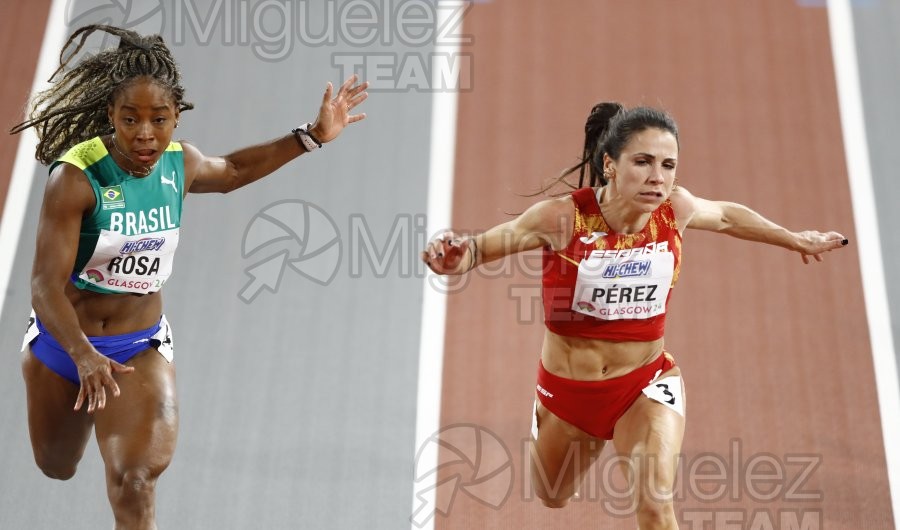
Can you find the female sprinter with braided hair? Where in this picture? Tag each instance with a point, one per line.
(106, 238)
(612, 252)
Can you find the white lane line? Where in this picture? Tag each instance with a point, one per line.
(25, 165)
(843, 46)
(434, 302)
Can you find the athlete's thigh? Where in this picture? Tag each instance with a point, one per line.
(561, 447)
(649, 437)
(139, 428)
(57, 430)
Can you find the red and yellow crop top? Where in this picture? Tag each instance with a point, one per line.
(611, 286)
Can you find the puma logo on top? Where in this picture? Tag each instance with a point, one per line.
(164, 180)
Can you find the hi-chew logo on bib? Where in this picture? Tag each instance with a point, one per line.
(627, 269)
(112, 198)
(141, 245)
(131, 264)
(631, 283)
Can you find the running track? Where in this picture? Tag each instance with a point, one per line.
(777, 356)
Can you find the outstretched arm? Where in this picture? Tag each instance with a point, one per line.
(67, 199)
(740, 221)
(207, 174)
(547, 223)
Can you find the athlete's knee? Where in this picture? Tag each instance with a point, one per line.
(57, 471)
(138, 481)
(132, 494)
(551, 485)
(134, 484)
(553, 502)
(53, 466)
(656, 514)
(553, 497)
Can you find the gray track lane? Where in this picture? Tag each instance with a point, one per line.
(298, 410)
(876, 26)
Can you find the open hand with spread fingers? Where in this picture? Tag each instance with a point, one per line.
(334, 114)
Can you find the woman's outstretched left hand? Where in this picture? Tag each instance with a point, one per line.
(814, 244)
(334, 114)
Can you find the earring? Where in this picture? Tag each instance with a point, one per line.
(176, 124)
(608, 173)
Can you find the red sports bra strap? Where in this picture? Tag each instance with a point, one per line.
(586, 200)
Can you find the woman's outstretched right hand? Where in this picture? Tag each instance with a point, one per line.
(449, 254)
(95, 372)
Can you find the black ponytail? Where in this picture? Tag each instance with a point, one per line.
(594, 130)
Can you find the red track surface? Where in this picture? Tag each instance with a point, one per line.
(21, 30)
(775, 354)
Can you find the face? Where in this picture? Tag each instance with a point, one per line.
(644, 173)
(144, 116)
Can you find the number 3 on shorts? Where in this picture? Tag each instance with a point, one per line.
(667, 391)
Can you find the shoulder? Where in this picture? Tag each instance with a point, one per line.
(563, 204)
(550, 211)
(551, 220)
(192, 155)
(193, 161)
(83, 155)
(69, 187)
(683, 206)
(175, 146)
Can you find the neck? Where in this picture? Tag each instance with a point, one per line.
(618, 214)
(125, 162)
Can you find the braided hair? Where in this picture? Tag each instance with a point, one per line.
(608, 130)
(74, 109)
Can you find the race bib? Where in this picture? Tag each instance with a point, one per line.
(624, 284)
(132, 264)
(668, 392)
